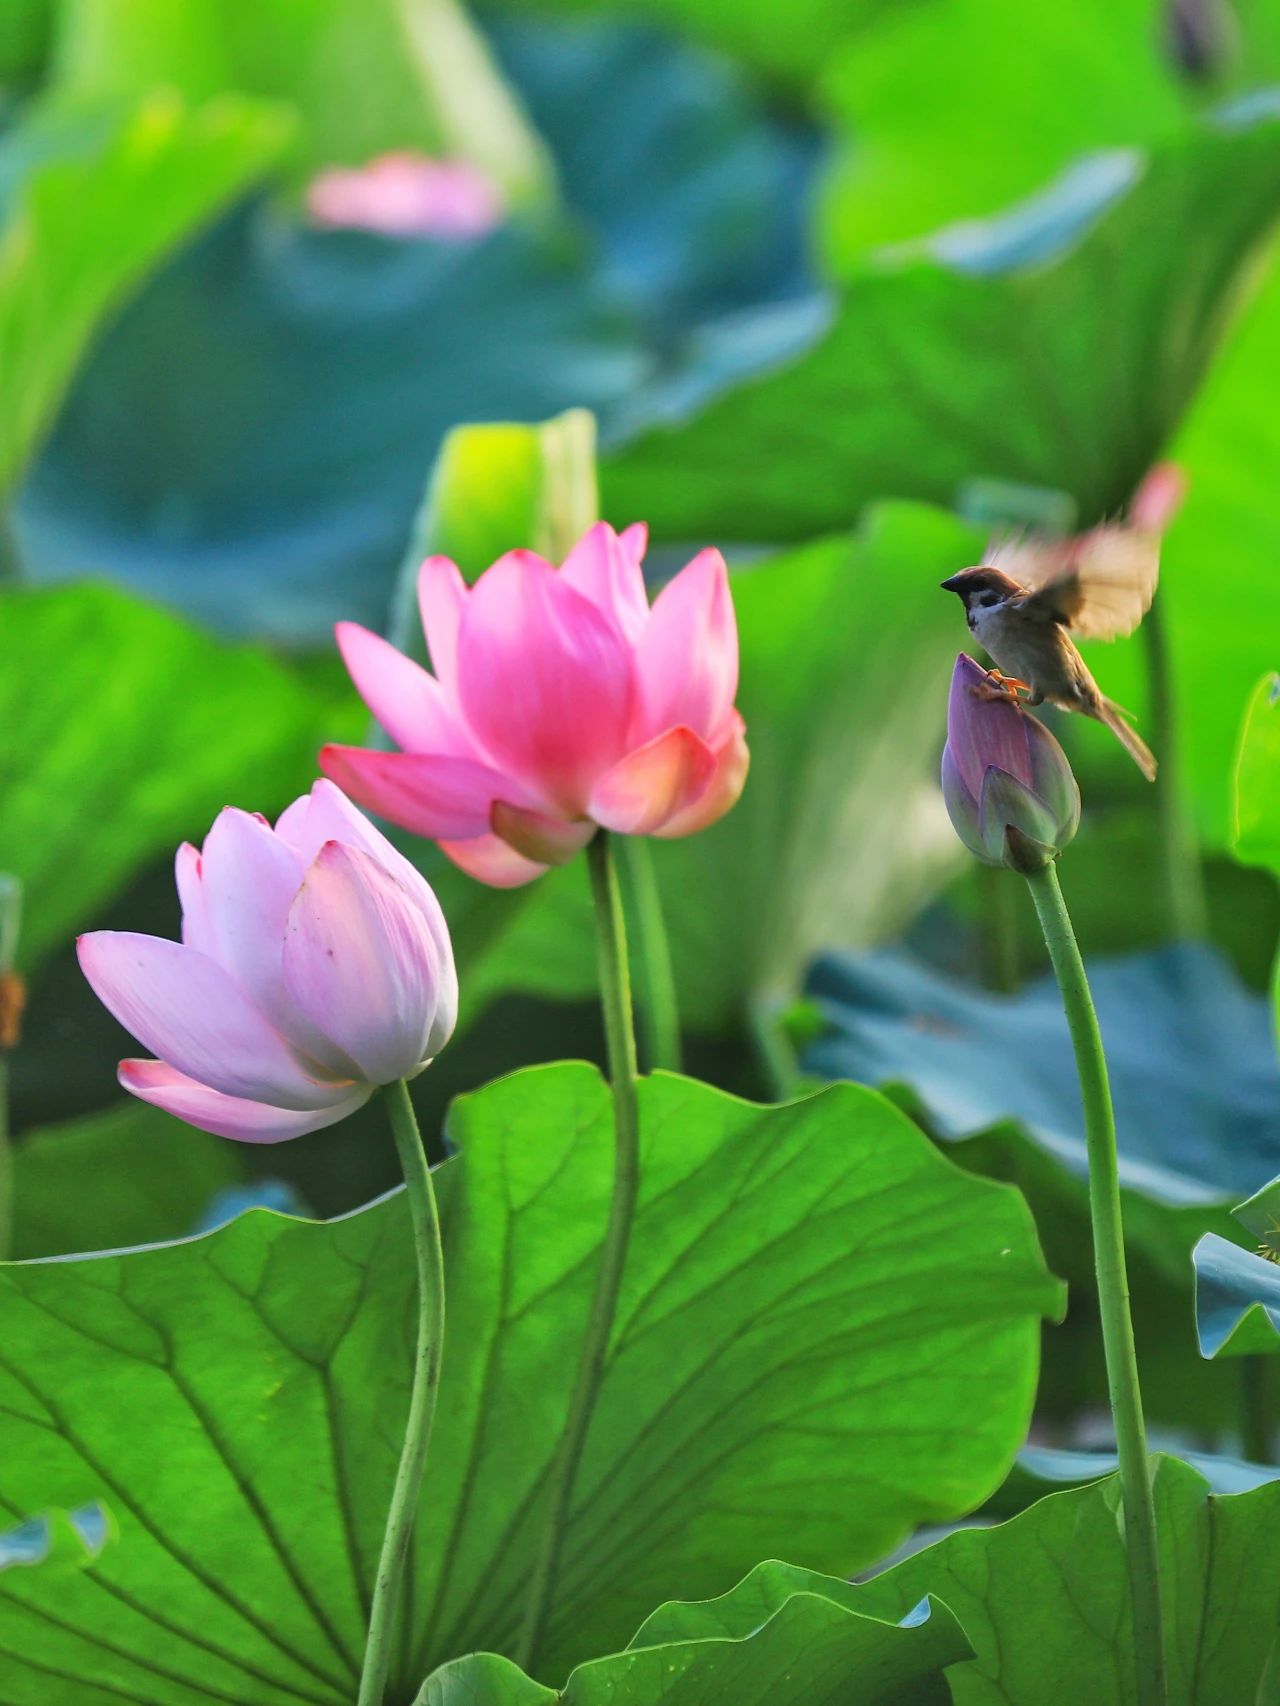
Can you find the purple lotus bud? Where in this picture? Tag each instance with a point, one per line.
(1008, 787)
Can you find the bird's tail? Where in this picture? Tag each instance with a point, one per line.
(1109, 712)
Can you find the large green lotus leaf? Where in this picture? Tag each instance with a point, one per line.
(86, 225)
(921, 150)
(256, 495)
(777, 1336)
(1223, 624)
(845, 647)
(1193, 1072)
(131, 1175)
(25, 28)
(791, 44)
(1197, 1093)
(1063, 362)
(122, 730)
(1044, 1597)
(786, 1648)
(365, 76)
(57, 1540)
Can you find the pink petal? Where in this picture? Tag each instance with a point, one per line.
(635, 540)
(721, 792)
(230, 1116)
(442, 598)
(602, 569)
(544, 680)
(489, 859)
(361, 964)
(185, 1008)
(642, 793)
(409, 703)
(542, 839)
(326, 814)
(429, 795)
(248, 878)
(687, 660)
(196, 931)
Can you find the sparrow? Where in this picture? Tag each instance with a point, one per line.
(1027, 598)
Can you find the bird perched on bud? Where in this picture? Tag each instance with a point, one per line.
(1030, 595)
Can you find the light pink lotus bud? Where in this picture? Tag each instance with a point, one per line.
(314, 966)
(408, 195)
(561, 703)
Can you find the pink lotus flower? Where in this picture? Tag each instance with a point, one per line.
(314, 966)
(560, 703)
(408, 195)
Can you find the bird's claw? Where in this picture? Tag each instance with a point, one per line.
(998, 686)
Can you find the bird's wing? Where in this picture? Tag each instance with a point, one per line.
(1100, 585)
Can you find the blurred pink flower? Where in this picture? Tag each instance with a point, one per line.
(314, 965)
(560, 703)
(1158, 498)
(408, 195)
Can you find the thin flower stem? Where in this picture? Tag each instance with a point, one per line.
(998, 898)
(1113, 1287)
(429, 1255)
(1256, 1417)
(1183, 871)
(658, 1001)
(615, 997)
(6, 1163)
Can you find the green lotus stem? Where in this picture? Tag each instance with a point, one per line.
(1000, 928)
(1113, 1287)
(10, 1017)
(1180, 852)
(615, 997)
(658, 1002)
(429, 1256)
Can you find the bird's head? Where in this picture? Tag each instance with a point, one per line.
(982, 587)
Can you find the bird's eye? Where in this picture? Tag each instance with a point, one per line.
(987, 599)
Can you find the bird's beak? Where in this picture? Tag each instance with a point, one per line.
(951, 585)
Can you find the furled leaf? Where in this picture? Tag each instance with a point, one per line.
(1257, 789)
(496, 485)
(776, 1337)
(920, 380)
(122, 731)
(786, 1649)
(89, 222)
(132, 1175)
